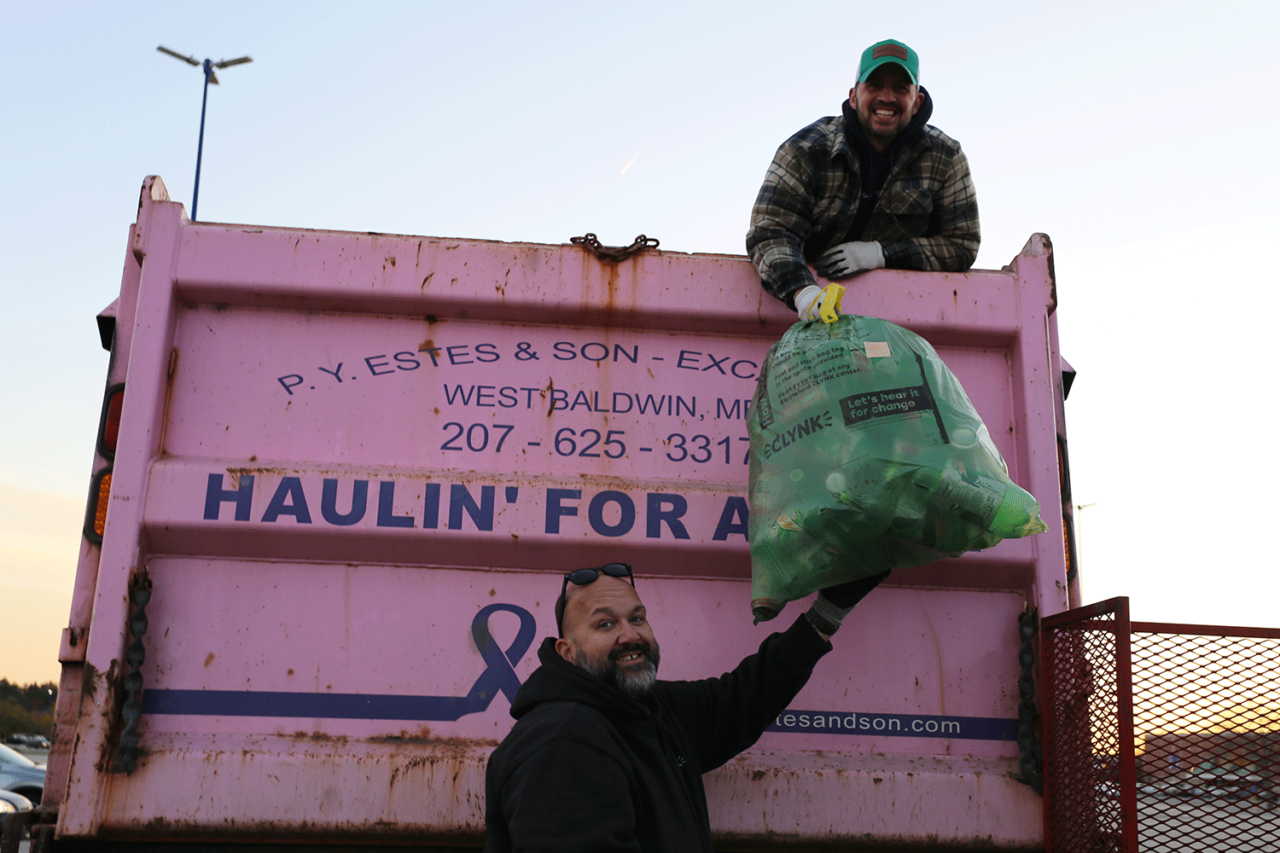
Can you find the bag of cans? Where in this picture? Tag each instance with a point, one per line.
(866, 455)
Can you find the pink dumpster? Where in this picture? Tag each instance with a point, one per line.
(349, 470)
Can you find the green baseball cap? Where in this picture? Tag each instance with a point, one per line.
(889, 50)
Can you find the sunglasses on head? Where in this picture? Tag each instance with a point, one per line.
(583, 577)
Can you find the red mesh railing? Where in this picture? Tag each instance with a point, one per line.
(1159, 738)
(1206, 703)
(1088, 731)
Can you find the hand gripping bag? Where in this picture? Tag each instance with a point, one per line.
(867, 455)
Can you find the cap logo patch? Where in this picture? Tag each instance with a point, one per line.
(896, 51)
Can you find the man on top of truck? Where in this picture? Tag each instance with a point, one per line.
(874, 187)
(603, 756)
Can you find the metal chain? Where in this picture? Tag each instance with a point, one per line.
(1030, 750)
(135, 654)
(614, 253)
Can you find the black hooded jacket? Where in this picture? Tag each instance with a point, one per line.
(876, 165)
(588, 768)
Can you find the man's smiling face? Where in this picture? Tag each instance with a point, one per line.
(885, 103)
(607, 633)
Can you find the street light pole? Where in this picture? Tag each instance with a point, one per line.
(208, 67)
(204, 102)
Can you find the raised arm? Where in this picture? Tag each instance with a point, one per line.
(726, 715)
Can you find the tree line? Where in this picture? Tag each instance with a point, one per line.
(27, 709)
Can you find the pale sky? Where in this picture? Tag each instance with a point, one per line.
(1139, 136)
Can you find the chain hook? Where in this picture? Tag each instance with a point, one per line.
(614, 253)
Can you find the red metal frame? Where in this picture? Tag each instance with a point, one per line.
(1204, 630)
(1087, 724)
(1196, 702)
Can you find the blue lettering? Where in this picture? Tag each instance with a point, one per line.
(291, 488)
(373, 368)
(634, 357)
(460, 499)
(689, 356)
(603, 355)
(386, 507)
(289, 386)
(334, 373)
(669, 509)
(560, 397)
(407, 358)
(626, 398)
(754, 367)
(581, 400)
(733, 519)
(329, 503)
(484, 392)
(564, 351)
(454, 357)
(486, 349)
(215, 496)
(507, 398)
(555, 509)
(595, 513)
(431, 507)
(648, 403)
(457, 392)
(716, 362)
(723, 411)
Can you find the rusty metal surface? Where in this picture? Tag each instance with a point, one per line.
(305, 784)
(923, 802)
(308, 785)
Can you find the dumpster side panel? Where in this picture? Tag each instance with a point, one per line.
(352, 468)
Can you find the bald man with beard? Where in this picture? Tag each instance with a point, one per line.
(603, 755)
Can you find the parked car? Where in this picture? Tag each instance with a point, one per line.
(11, 804)
(21, 775)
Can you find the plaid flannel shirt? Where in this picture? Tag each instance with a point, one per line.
(926, 216)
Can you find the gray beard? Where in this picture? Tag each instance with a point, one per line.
(635, 684)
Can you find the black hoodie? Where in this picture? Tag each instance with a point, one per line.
(876, 165)
(588, 768)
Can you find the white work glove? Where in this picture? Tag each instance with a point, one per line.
(849, 258)
(808, 301)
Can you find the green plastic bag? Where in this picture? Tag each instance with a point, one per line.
(866, 455)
